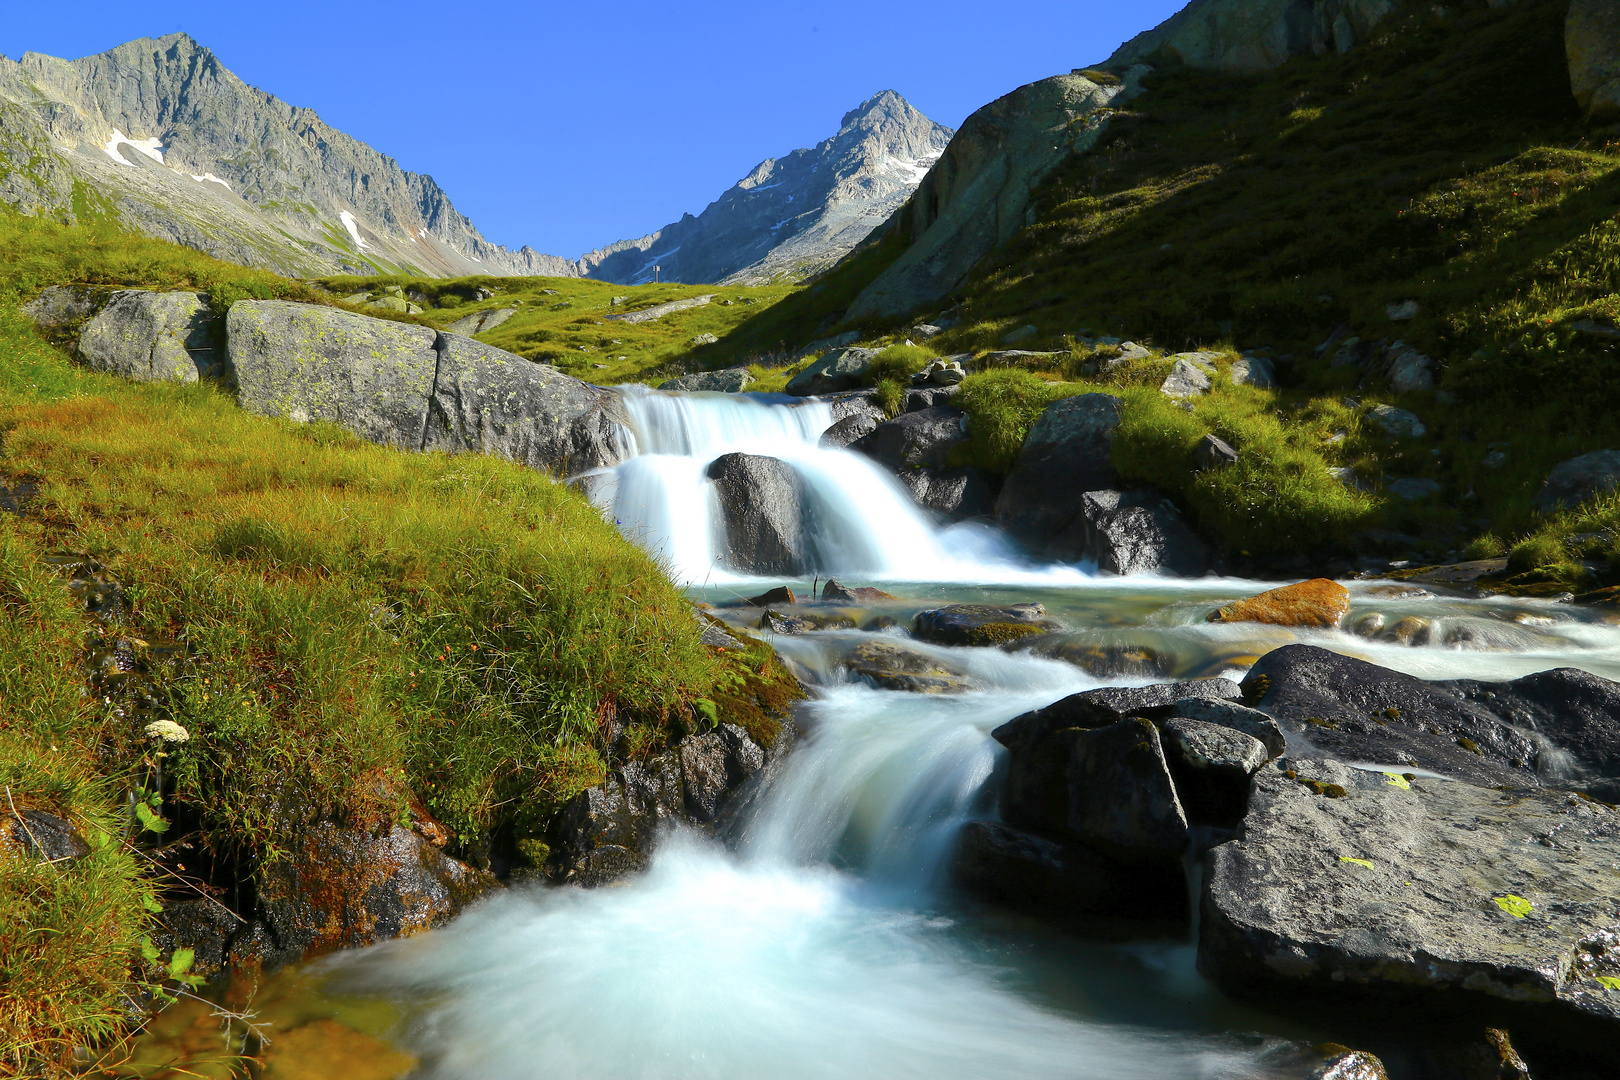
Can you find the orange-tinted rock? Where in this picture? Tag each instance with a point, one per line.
(1318, 602)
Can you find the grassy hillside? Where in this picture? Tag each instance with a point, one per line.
(1443, 161)
(326, 619)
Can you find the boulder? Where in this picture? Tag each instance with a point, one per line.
(1396, 423)
(1443, 897)
(1580, 478)
(1413, 488)
(1318, 602)
(658, 311)
(975, 196)
(850, 430)
(61, 311)
(915, 440)
(890, 665)
(1108, 787)
(725, 381)
(1402, 310)
(1020, 358)
(1109, 705)
(1356, 711)
(965, 491)
(1213, 452)
(480, 321)
(840, 369)
(761, 506)
(980, 624)
(1103, 660)
(488, 401)
(151, 336)
(1132, 532)
(779, 595)
(1407, 370)
(928, 397)
(1067, 453)
(1211, 766)
(1230, 714)
(804, 622)
(305, 362)
(1065, 881)
(1592, 43)
(1185, 380)
(836, 593)
(1578, 711)
(1256, 371)
(41, 835)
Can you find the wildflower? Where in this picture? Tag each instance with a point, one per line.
(167, 731)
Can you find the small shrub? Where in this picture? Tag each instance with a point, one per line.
(1536, 552)
(899, 363)
(1002, 405)
(1489, 546)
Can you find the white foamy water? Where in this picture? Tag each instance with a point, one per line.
(861, 520)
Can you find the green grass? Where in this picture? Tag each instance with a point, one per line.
(319, 613)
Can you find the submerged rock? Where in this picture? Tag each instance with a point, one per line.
(1318, 602)
(1344, 880)
(890, 665)
(981, 624)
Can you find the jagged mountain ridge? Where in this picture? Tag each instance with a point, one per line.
(159, 134)
(794, 215)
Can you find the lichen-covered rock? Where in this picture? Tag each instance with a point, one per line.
(1449, 895)
(151, 336)
(726, 381)
(762, 507)
(1068, 452)
(981, 624)
(480, 321)
(1592, 43)
(1319, 602)
(60, 311)
(890, 665)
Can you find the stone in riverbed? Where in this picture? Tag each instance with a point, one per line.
(981, 624)
(1068, 452)
(1229, 714)
(1211, 766)
(1132, 532)
(1318, 602)
(1111, 704)
(834, 592)
(892, 666)
(761, 507)
(1453, 897)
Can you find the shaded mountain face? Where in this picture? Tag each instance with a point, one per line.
(159, 135)
(793, 215)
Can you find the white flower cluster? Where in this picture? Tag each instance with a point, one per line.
(167, 731)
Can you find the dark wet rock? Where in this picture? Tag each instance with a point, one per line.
(1109, 788)
(41, 835)
(929, 397)
(1132, 532)
(851, 429)
(981, 624)
(1578, 711)
(761, 501)
(840, 369)
(1065, 881)
(610, 830)
(917, 440)
(151, 336)
(1452, 898)
(804, 622)
(1602, 788)
(779, 595)
(1109, 705)
(835, 593)
(855, 403)
(1230, 714)
(1103, 660)
(1068, 452)
(890, 665)
(344, 886)
(206, 927)
(965, 491)
(1211, 766)
(1356, 711)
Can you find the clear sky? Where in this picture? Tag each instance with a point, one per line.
(570, 126)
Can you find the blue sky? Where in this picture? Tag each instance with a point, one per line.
(572, 126)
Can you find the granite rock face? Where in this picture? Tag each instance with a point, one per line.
(151, 337)
(840, 369)
(1253, 35)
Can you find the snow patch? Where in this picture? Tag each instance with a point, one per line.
(353, 226)
(152, 148)
(209, 178)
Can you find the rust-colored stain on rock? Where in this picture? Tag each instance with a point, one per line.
(1318, 602)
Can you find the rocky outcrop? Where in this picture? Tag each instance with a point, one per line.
(965, 491)
(1453, 897)
(1319, 602)
(840, 369)
(977, 194)
(410, 387)
(916, 440)
(609, 831)
(658, 311)
(761, 504)
(725, 381)
(140, 335)
(1068, 452)
(981, 624)
(1252, 35)
(1132, 532)
(1580, 478)
(1592, 43)
(480, 321)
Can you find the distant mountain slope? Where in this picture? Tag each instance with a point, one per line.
(793, 215)
(159, 135)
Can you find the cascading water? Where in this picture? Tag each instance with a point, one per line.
(862, 520)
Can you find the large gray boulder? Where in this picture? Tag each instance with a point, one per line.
(1253, 35)
(726, 381)
(1132, 532)
(1456, 898)
(488, 401)
(761, 504)
(410, 387)
(958, 493)
(1211, 765)
(1592, 43)
(977, 194)
(841, 369)
(1068, 452)
(151, 336)
(916, 440)
(1580, 478)
(304, 362)
(61, 311)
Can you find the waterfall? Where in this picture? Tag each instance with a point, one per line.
(862, 521)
